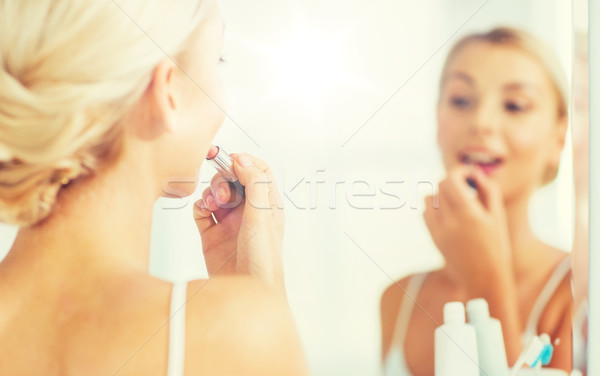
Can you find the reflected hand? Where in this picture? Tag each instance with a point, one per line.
(469, 228)
(246, 233)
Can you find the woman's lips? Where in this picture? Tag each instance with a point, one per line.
(487, 162)
(486, 168)
(489, 169)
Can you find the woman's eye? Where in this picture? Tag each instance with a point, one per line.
(460, 102)
(514, 107)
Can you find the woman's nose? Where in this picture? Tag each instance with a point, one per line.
(485, 120)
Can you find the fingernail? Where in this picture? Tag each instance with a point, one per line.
(200, 204)
(210, 200)
(244, 161)
(221, 194)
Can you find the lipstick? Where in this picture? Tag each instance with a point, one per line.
(223, 163)
(472, 183)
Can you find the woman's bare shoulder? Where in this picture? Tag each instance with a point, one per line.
(561, 301)
(559, 308)
(243, 327)
(123, 324)
(557, 321)
(394, 294)
(391, 300)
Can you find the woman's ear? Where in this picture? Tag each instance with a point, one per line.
(160, 102)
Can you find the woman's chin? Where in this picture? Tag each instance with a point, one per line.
(179, 187)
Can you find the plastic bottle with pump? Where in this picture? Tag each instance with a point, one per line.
(490, 342)
(455, 344)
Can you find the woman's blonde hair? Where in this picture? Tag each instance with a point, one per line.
(507, 36)
(69, 71)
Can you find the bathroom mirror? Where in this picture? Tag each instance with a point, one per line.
(581, 158)
(340, 98)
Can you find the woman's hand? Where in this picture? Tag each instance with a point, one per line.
(246, 233)
(469, 228)
(471, 231)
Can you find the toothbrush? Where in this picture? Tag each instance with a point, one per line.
(538, 353)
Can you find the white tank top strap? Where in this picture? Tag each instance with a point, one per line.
(395, 362)
(177, 329)
(406, 308)
(542, 300)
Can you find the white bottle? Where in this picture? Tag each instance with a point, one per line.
(490, 342)
(455, 344)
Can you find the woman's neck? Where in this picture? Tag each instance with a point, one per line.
(100, 224)
(527, 249)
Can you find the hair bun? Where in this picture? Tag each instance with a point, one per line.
(29, 192)
(67, 81)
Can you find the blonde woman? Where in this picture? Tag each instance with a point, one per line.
(502, 119)
(104, 105)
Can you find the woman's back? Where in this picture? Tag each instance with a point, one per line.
(55, 324)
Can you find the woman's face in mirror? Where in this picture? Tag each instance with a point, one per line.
(498, 109)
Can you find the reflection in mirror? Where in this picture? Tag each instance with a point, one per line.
(502, 117)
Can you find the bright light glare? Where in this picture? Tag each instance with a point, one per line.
(306, 66)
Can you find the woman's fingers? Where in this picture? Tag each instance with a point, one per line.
(206, 207)
(275, 200)
(255, 182)
(220, 189)
(458, 187)
(258, 181)
(253, 230)
(456, 192)
(210, 202)
(220, 197)
(488, 192)
(202, 216)
(262, 194)
(431, 214)
(449, 191)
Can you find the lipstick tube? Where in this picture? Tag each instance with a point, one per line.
(223, 163)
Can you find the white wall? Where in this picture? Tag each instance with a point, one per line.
(300, 101)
